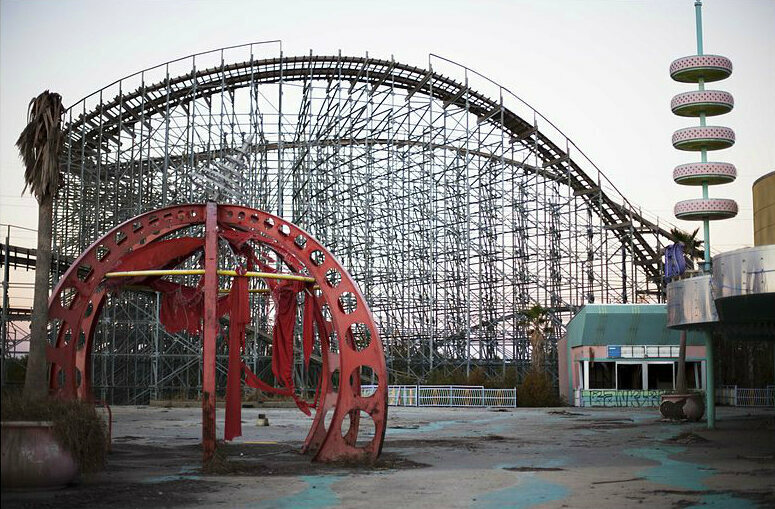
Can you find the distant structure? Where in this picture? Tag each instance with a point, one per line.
(454, 204)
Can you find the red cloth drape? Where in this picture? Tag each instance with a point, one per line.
(182, 309)
(239, 317)
(308, 330)
(284, 295)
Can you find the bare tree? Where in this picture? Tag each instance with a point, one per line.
(40, 144)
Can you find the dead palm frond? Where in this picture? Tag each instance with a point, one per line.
(40, 144)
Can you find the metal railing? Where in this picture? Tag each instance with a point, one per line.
(446, 396)
(733, 395)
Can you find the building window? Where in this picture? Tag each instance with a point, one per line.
(629, 376)
(660, 376)
(601, 375)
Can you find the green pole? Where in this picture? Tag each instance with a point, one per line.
(571, 395)
(698, 18)
(704, 153)
(710, 382)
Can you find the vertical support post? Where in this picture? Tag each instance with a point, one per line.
(710, 389)
(210, 331)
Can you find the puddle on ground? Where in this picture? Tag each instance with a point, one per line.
(186, 473)
(686, 475)
(316, 495)
(529, 491)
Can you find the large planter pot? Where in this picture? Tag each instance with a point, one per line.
(32, 458)
(689, 407)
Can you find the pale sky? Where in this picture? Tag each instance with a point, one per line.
(597, 69)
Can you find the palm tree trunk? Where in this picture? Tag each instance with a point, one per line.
(36, 378)
(680, 382)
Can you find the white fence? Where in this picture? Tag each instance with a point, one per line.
(733, 395)
(446, 395)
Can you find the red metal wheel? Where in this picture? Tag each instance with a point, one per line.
(350, 341)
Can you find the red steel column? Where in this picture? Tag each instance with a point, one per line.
(210, 331)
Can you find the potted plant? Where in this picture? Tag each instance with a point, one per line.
(681, 404)
(47, 442)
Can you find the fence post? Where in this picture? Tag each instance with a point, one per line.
(735, 395)
(416, 395)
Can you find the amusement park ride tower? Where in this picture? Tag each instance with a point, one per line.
(733, 295)
(690, 301)
(701, 69)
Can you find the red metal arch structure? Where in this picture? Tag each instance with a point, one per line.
(79, 296)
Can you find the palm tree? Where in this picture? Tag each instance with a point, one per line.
(536, 319)
(40, 144)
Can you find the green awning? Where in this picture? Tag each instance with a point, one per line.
(625, 324)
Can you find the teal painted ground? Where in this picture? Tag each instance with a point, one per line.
(686, 475)
(530, 489)
(316, 495)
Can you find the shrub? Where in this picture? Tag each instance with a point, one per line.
(77, 425)
(477, 376)
(537, 390)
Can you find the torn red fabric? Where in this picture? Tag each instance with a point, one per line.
(181, 306)
(182, 309)
(239, 317)
(308, 330)
(251, 380)
(284, 295)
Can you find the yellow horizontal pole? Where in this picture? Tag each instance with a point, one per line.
(269, 275)
(199, 272)
(252, 290)
(176, 272)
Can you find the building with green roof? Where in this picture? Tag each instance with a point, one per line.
(624, 355)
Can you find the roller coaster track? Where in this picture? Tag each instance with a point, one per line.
(91, 131)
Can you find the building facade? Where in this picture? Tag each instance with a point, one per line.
(624, 355)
